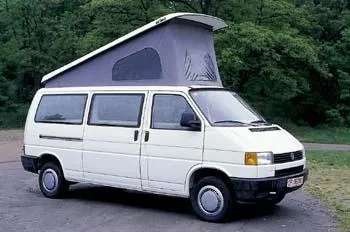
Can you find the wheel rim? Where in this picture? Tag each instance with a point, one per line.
(50, 180)
(210, 200)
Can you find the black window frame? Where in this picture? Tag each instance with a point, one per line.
(58, 122)
(176, 129)
(139, 117)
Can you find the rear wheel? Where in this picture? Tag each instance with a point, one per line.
(211, 199)
(51, 181)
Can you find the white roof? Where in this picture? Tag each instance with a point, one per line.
(212, 21)
(125, 88)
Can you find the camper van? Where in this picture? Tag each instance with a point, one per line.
(148, 112)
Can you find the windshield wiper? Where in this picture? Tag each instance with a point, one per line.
(232, 121)
(260, 121)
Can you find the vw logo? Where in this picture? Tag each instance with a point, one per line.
(292, 156)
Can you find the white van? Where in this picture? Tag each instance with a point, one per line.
(180, 141)
(201, 142)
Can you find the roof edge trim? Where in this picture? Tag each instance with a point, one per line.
(212, 21)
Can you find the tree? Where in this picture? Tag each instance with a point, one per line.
(289, 58)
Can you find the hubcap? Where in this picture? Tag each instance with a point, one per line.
(50, 180)
(210, 200)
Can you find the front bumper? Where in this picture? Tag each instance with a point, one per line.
(258, 189)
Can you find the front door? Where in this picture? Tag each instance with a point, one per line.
(111, 147)
(169, 150)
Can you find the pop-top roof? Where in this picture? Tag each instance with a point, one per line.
(210, 21)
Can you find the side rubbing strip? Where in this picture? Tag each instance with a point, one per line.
(262, 129)
(61, 138)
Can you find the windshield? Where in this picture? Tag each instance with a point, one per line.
(224, 108)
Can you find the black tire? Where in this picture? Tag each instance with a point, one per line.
(56, 186)
(207, 188)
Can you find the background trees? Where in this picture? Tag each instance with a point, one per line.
(289, 58)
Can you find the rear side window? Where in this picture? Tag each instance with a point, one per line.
(116, 110)
(66, 109)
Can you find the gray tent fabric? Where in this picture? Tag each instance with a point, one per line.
(179, 53)
(142, 65)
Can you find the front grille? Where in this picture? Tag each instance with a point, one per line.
(287, 157)
(289, 171)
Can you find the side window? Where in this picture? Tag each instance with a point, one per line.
(116, 110)
(141, 65)
(68, 109)
(167, 111)
(199, 66)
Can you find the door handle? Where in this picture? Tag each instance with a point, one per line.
(146, 136)
(136, 135)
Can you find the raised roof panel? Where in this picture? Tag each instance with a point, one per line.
(180, 52)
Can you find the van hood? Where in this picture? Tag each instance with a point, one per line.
(272, 138)
(260, 138)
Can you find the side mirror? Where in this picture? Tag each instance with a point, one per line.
(188, 119)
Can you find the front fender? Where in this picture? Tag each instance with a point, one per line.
(198, 167)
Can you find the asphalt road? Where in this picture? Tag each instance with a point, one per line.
(324, 147)
(92, 208)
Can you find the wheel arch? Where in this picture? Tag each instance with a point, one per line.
(46, 157)
(200, 171)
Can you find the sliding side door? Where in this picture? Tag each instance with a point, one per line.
(111, 147)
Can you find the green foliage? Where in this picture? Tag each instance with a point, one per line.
(319, 134)
(13, 117)
(289, 58)
(333, 117)
(262, 64)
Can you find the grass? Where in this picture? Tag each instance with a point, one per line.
(336, 135)
(329, 181)
(12, 120)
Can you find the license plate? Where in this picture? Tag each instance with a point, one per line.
(294, 182)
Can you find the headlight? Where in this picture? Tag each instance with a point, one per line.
(264, 158)
(258, 158)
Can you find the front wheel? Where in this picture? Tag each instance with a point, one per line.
(51, 181)
(211, 199)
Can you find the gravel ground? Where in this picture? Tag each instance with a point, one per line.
(10, 135)
(11, 143)
(94, 208)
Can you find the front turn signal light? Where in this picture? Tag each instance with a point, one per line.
(251, 158)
